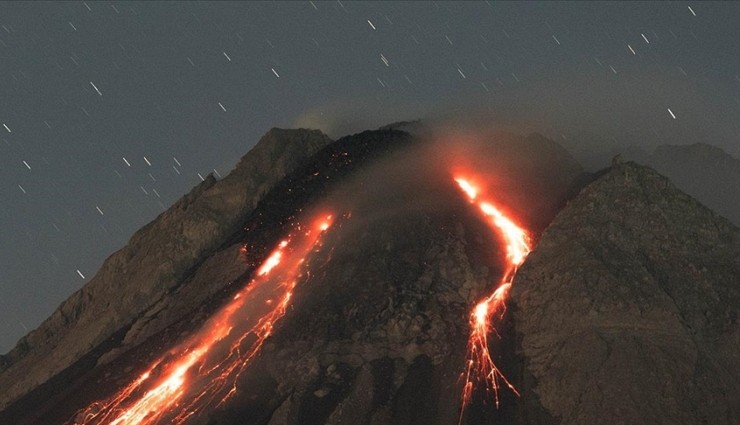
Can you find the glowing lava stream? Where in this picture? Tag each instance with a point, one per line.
(204, 370)
(480, 367)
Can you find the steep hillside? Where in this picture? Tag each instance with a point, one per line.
(153, 263)
(627, 311)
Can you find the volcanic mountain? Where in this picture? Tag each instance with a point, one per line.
(391, 277)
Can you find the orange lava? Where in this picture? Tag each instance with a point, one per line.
(203, 371)
(480, 368)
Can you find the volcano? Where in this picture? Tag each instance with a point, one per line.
(401, 276)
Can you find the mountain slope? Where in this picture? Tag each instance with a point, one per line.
(204, 286)
(153, 262)
(628, 308)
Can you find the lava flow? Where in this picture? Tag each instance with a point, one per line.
(203, 371)
(480, 367)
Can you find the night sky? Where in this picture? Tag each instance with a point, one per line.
(110, 111)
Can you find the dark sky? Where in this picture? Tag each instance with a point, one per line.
(109, 111)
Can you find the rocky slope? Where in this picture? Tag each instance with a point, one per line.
(153, 263)
(378, 333)
(627, 312)
(202, 287)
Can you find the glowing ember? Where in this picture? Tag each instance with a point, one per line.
(272, 261)
(480, 368)
(204, 370)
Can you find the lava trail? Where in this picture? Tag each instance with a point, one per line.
(480, 368)
(203, 371)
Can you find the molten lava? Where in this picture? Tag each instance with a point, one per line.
(480, 368)
(204, 370)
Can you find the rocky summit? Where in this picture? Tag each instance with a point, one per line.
(627, 311)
